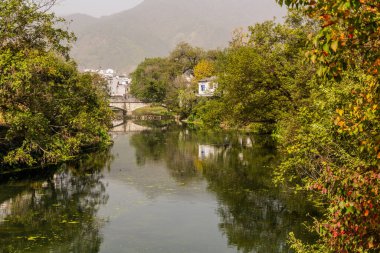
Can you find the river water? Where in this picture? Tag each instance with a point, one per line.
(166, 190)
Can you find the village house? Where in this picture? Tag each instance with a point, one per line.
(207, 151)
(207, 87)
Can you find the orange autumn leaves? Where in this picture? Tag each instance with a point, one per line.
(361, 118)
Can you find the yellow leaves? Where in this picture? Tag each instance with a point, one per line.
(339, 122)
(313, 58)
(370, 9)
(204, 69)
(369, 97)
(378, 155)
(370, 244)
(340, 112)
(334, 45)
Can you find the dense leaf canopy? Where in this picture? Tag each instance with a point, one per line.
(50, 111)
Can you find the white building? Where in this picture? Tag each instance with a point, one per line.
(207, 87)
(207, 151)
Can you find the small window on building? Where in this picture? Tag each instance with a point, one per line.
(203, 87)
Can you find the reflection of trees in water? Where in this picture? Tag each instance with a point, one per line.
(180, 157)
(150, 145)
(255, 216)
(58, 213)
(168, 146)
(180, 149)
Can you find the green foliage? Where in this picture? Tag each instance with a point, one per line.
(264, 75)
(26, 24)
(210, 112)
(186, 56)
(349, 34)
(151, 79)
(338, 168)
(166, 80)
(342, 167)
(51, 111)
(152, 110)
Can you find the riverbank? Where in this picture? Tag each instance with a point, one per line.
(154, 110)
(10, 173)
(250, 128)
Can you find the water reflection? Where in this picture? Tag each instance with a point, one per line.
(165, 190)
(254, 215)
(57, 213)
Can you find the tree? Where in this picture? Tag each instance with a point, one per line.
(264, 76)
(186, 56)
(349, 34)
(164, 80)
(343, 166)
(152, 78)
(51, 111)
(27, 24)
(203, 69)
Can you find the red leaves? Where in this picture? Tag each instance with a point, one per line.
(353, 216)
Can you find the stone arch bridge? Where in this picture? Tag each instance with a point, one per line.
(126, 104)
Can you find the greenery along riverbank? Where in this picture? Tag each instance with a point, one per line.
(261, 76)
(313, 83)
(49, 111)
(153, 110)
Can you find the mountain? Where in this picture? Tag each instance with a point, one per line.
(154, 27)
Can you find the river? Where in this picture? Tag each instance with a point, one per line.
(170, 189)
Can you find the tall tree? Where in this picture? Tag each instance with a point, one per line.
(343, 165)
(263, 76)
(205, 68)
(152, 78)
(186, 56)
(51, 111)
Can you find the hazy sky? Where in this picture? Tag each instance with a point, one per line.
(94, 8)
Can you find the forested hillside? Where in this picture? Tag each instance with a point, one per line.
(154, 27)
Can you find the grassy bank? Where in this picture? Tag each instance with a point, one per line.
(153, 110)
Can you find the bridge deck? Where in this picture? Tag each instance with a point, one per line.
(126, 104)
(122, 99)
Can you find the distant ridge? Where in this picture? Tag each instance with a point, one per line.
(154, 27)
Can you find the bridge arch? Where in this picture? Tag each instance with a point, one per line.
(127, 105)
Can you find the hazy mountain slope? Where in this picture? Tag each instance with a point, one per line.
(154, 27)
